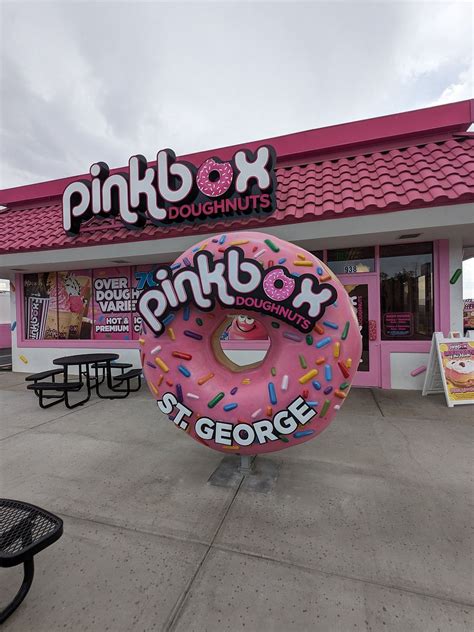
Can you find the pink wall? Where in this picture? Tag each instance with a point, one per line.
(5, 335)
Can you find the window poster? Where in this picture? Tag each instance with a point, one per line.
(73, 295)
(468, 314)
(37, 299)
(95, 304)
(57, 305)
(396, 324)
(142, 279)
(112, 296)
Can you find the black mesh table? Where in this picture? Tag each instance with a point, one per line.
(86, 360)
(24, 531)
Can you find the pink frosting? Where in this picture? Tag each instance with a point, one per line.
(336, 361)
(58, 294)
(214, 189)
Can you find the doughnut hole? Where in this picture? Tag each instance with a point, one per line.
(214, 176)
(241, 342)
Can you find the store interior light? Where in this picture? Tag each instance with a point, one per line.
(409, 236)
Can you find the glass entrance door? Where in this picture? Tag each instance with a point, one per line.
(363, 290)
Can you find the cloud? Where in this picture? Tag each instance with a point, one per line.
(460, 89)
(87, 81)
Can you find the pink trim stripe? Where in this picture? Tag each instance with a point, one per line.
(443, 322)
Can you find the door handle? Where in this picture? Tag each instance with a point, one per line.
(372, 330)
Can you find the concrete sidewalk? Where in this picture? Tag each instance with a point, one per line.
(366, 527)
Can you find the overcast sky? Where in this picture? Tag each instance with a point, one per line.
(100, 81)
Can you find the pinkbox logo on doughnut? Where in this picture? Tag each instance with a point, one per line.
(174, 190)
(235, 281)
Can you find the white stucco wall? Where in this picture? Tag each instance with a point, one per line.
(4, 307)
(401, 365)
(455, 290)
(33, 360)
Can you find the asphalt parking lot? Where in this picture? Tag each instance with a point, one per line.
(365, 528)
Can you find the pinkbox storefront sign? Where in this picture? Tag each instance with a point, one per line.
(174, 191)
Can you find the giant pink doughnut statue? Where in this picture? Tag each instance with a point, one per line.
(315, 343)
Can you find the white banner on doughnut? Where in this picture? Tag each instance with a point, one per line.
(284, 422)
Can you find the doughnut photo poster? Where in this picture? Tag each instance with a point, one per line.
(249, 343)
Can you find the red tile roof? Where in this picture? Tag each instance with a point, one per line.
(432, 174)
(396, 162)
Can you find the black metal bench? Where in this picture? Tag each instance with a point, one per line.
(127, 377)
(36, 377)
(57, 391)
(113, 365)
(25, 530)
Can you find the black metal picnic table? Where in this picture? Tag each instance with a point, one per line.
(105, 362)
(25, 530)
(90, 360)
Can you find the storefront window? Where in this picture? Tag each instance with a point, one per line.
(95, 304)
(352, 260)
(406, 291)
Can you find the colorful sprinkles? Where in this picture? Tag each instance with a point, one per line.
(345, 331)
(215, 400)
(272, 393)
(291, 336)
(192, 334)
(303, 433)
(163, 366)
(181, 355)
(327, 335)
(308, 376)
(205, 378)
(271, 245)
(182, 369)
(323, 342)
(228, 407)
